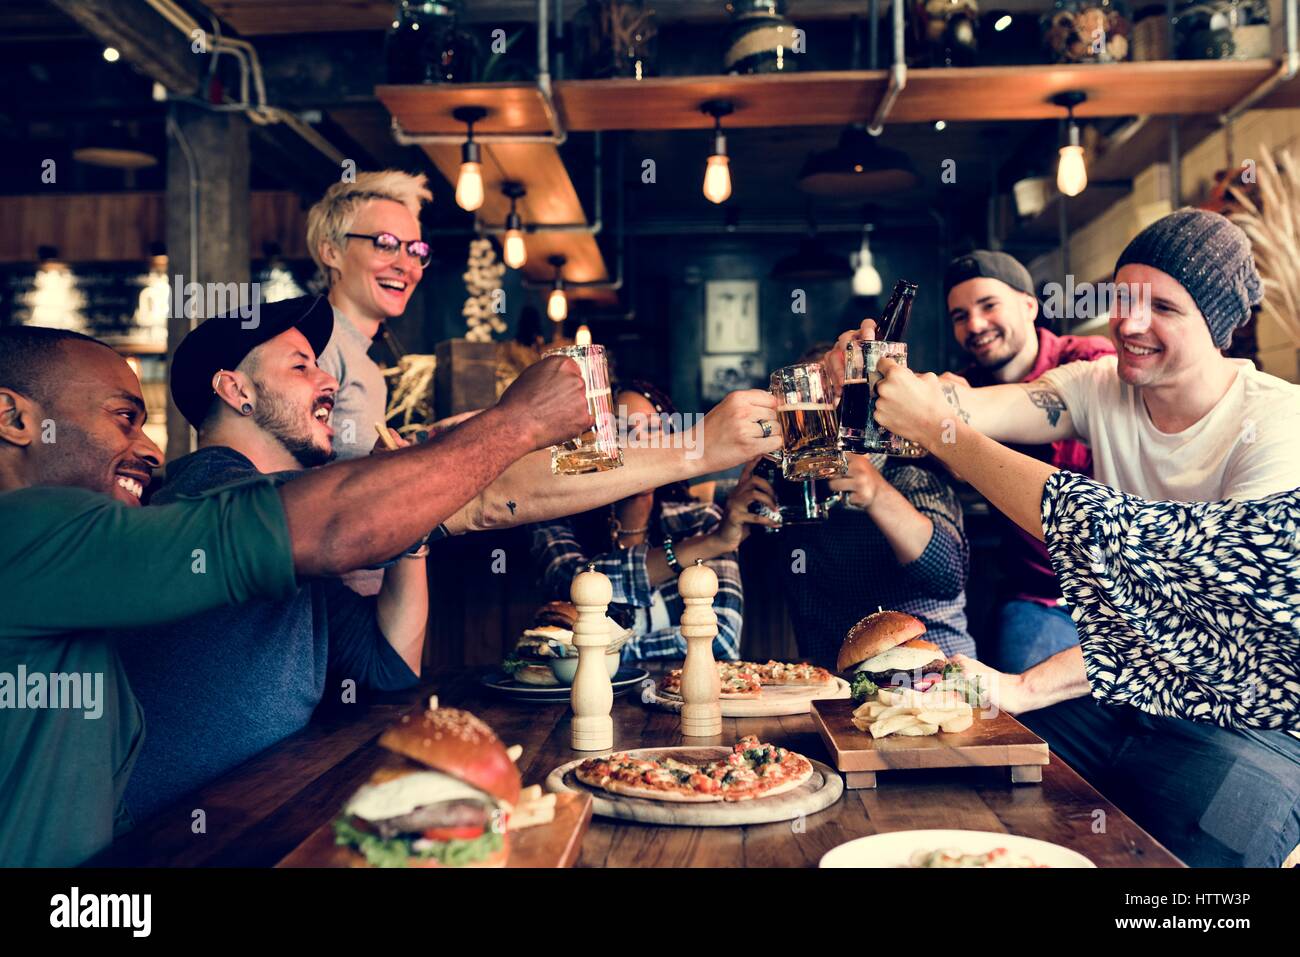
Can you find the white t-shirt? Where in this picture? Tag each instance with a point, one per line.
(1246, 447)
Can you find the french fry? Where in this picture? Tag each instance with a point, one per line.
(514, 752)
(959, 723)
(889, 697)
(919, 730)
(935, 716)
(529, 794)
(889, 725)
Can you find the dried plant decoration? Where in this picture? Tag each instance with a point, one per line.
(410, 393)
(1273, 225)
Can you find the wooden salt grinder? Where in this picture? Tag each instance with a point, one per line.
(592, 694)
(701, 688)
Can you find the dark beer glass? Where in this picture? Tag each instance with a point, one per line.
(858, 430)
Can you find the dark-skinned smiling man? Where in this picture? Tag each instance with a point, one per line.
(86, 569)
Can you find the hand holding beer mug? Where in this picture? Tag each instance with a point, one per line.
(596, 449)
(810, 427)
(548, 401)
(912, 405)
(859, 430)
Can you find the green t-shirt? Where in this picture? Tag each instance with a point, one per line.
(75, 566)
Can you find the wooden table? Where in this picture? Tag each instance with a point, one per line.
(262, 810)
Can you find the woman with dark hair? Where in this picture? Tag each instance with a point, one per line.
(643, 542)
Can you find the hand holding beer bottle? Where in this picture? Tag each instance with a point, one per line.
(548, 401)
(740, 516)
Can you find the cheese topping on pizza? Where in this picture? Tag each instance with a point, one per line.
(748, 677)
(752, 769)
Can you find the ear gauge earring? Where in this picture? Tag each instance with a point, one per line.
(246, 409)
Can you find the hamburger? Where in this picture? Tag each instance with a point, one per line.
(529, 662)
(886, 648)
(443, 802)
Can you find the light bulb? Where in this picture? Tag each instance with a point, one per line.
(513, 251)
(582, 337)
(557, 306)
(1071, 173)
(717, 179)
(469, 187)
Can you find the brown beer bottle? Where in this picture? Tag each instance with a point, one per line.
(893, 322)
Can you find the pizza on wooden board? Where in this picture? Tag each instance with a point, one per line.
(745, 679)
(752, 770)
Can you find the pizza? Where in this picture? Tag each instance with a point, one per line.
(752, 770)
(745, 679)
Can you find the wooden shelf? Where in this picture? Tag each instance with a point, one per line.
(839, 98)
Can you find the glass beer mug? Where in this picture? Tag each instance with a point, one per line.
(858, 430)
(595, 450)
(806, 406)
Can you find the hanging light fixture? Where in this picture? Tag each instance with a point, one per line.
(513, 251)
(717, 172)
(557, 304)
(866, 278)
(582, 337)
(1071, 171)
(469, 184)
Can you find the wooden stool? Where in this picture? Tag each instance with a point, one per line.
(592, 694)
(701, 688)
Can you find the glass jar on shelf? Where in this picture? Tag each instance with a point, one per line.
(761, 39)
(617, 38)
(1087, 31)
(1222, 30)
(947, 30)
(426, 45)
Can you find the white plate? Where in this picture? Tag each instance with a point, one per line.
(895, 849)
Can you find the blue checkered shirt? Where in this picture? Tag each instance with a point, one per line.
(845, 568)
(560, 557)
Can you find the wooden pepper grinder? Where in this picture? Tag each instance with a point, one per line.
(592, 694)
(701, 688)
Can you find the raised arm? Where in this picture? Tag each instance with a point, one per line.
(1027, 413)
(528, 492)
(350, 514)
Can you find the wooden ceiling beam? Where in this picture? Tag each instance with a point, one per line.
(143, 37)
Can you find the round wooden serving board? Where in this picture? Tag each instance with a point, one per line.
(775, 701)
(816, 794)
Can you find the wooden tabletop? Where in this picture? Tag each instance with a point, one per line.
(262, 810)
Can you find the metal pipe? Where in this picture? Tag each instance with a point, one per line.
(1175, 165)
(897, 74)
(559, 39)
(873, 54)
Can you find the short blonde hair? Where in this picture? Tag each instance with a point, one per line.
(329, 220)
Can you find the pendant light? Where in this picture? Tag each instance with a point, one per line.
(557, 304)
(866, 278)
(1071, 171)
(513, 252)
(469, 184)
(717, 172)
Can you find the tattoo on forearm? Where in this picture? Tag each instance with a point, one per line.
(1049, 401)
(950, 393)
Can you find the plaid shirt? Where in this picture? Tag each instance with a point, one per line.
(560, 556)
(837, 572)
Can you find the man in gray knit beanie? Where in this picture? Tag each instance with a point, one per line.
(1209, 256)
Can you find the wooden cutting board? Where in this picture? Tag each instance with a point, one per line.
(999, 741)
(816, 794)
(556, 844)
(775, 700)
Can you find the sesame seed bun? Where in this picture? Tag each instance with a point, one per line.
(457, 743)
(879, 632)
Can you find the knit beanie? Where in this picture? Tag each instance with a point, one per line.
(1210, 257)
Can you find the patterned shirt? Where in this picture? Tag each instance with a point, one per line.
(658, 635)
(838, 571)
(1184, 610)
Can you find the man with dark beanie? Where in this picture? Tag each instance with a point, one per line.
(993, 309)
(1170, 418)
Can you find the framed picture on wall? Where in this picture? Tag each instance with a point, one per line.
(722, 374)
(731, 316)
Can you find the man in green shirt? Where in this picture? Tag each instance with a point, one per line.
(81, 559)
